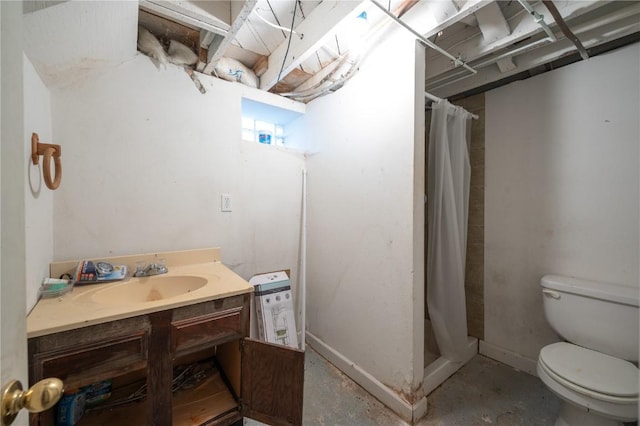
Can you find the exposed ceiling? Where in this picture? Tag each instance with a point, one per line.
(473, 42)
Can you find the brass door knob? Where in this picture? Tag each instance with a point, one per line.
(39, 397)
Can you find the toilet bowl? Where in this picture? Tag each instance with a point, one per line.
(605, 386)
(591, 372)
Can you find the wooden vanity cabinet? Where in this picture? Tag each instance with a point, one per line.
(254, 379)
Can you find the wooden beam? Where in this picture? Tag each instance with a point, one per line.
(219, 45)
(165, 29)
(182, 12)
(292, 80)
(506, 64)
(206, 37)
(202, 59)
(404, 7)
(320, 75)
(522, 27)
(492, 23)
(260, 67)
(494, 27)
(443, 20)
(320, 24)
(594, 32)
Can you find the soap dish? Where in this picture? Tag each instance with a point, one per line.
(52, 287)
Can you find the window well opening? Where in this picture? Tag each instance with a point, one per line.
(266, 124)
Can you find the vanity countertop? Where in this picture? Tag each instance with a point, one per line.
(83, 306)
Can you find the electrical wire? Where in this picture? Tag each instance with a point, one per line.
(271, 24)
(286, 53)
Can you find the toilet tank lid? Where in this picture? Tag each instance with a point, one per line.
(598, 290)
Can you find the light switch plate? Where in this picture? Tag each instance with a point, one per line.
(225, 203)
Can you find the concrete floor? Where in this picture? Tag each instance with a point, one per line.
(483, 392)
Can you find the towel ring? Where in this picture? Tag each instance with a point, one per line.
(48, 151)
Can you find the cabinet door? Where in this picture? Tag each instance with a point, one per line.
(272, 382)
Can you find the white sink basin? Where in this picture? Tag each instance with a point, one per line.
(149, 289)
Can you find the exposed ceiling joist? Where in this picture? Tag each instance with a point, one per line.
(593, 32)
(441, 10)
(219, 44)
(434, 27)
(492, 23)
(320, 24)
(544, 55)
(206, 38)
(479, 33)
(506, 64)
(320, 75)
(494, 27)
(184, 12)
(522, 26)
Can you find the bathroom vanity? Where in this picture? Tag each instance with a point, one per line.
(140, 343)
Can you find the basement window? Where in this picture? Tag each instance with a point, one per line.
(262, 131)
(266, 124)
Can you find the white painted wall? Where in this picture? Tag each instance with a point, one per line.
(562, 187)
(70, 41)
(38, 198)
(363, 286)
(146, 157)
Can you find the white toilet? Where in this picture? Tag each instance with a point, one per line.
(592, 374)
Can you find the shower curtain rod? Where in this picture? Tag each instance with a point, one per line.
(433, 98)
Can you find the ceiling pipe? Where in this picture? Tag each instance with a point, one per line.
(514, 52)
(456, 61)
(539, 19)
(608, 19)
(449, 79)
(436, 83)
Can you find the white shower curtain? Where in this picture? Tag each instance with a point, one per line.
(449, 173)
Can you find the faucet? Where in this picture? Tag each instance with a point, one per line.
(151, 269)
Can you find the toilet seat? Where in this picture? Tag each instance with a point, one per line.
(591, 373)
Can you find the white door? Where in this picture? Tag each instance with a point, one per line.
(13, 337)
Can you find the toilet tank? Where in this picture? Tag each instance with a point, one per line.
(595, 315)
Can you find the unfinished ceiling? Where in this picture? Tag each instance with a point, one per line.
(304, 49)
